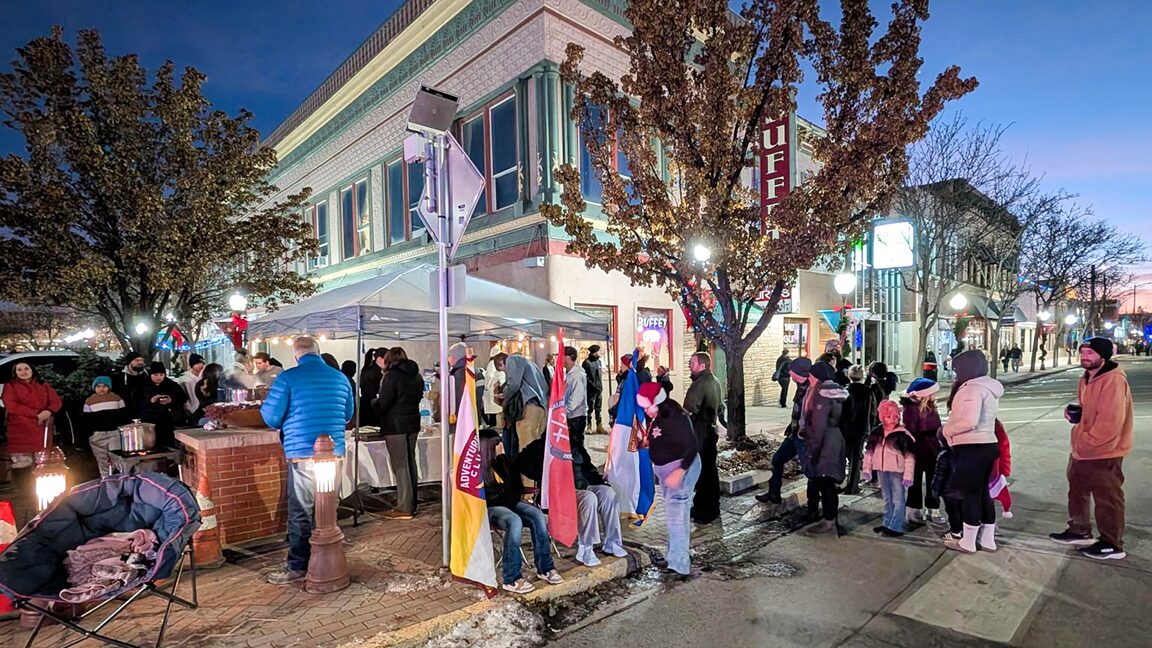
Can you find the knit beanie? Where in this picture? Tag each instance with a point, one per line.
(1101, 345)
(823, 371)
(970, 364)
(922, 388)
(195, 359)
(102, 380)
(801, 367)
(156, 368)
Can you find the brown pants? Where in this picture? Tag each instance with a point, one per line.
(530, 428)
(1102, 481)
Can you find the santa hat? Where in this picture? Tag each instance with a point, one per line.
(922, 388)
(650, 395)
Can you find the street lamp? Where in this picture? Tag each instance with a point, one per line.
(1044, 316)
(142, 328)
(701, 252)
(238, 303)
(845, 284)
(328, 566)
(958, 302)
(1108, 326)
(1071, 320)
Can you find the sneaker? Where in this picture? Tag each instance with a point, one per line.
(394, 514)
(284, 576)
(586, 556)
(552, 578)
(1104, 550)
(768, 498)
(1072, 538)
(521, 586)
(614, 550)
(879, 529)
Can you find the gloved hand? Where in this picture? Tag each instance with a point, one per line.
(907, 483)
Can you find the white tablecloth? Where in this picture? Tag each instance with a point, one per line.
(374, 468)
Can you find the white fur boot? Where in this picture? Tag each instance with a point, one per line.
(967, 543)
(987, 539)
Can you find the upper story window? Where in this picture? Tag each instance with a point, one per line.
(405, 183)
(590, 185)
(355, 220)
(491, 140)
(318, 214)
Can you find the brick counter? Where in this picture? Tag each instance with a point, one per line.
(247, 474)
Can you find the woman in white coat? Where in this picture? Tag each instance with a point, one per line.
(971, 433)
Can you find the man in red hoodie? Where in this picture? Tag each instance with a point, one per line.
(1101, 438)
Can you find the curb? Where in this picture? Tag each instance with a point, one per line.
(578, 581)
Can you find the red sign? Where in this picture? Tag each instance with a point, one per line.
(775, 166)
(468, 478)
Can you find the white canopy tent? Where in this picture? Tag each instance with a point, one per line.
(399, 306)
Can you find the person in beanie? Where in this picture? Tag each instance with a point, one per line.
(703, 402)
(674, 450)
(922, 420)
(160, 402)
(188, 381)
(593, 368)
(824, 444)
(891, 453)
(104, 413)
(858, 421)
(132, 378)
(780, 375)
(1101, 438)
(798, 371)
(971, 433)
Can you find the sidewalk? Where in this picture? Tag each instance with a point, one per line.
(398, 596)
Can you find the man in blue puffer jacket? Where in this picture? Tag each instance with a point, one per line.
(306, 401)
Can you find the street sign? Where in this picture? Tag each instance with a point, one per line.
(465, 183)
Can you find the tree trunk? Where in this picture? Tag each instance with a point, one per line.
(737, 416)
(1035, 346)
(994, 339)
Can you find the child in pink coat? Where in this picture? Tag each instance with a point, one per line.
(891, 452)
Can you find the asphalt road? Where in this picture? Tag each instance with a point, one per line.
(863, 591)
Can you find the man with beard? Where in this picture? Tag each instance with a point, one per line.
(702, 402)
(1101, 438)
(133, 377)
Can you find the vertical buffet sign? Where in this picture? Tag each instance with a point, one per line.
(777, 166)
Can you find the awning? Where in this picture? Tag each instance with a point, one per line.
(398, 306)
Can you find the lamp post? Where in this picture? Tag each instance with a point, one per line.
(701, 252)
(50, 472)
(1044, 316)
(845, 284)
(328, 566)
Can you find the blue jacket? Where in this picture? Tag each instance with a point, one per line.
(306, 401)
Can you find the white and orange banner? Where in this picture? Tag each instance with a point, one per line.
(471, 539)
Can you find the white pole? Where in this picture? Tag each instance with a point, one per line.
(442, 213)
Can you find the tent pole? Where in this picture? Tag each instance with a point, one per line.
(359, 507)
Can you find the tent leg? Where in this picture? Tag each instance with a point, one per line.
(358, 507)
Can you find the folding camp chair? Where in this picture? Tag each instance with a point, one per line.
(32, 570)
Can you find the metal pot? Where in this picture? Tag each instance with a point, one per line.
(137, 436)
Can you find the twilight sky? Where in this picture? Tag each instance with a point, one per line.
(1069, 76)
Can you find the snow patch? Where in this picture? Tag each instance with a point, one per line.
(509, 624)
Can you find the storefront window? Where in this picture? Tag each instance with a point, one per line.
(796, 335)
(397, 212)
(472, 139)
(319, 216)
(654, 336)
(415, 189)
(505, 179)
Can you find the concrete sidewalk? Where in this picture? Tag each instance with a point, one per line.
(399, 596)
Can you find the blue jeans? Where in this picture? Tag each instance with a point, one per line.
(301, 506)
(512, 523)
(895, 496)
(677, 508)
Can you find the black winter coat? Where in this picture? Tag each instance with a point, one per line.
(820, 430)
(858, 416)
(398, 402)
(370, 378)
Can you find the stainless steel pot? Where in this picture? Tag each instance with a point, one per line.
(137, 436)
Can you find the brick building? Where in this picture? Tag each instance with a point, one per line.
(502, 58)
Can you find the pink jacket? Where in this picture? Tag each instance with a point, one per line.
(887, 457)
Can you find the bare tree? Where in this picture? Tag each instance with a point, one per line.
(960, 195)
(1058, 266)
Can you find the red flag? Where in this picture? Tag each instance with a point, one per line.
(558, 494)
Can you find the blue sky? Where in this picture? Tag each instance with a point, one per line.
(1070, 76)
